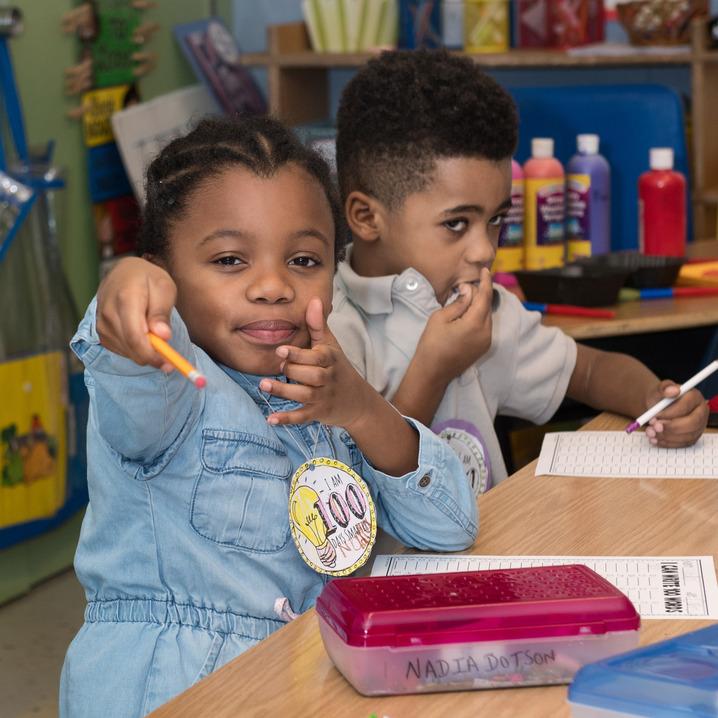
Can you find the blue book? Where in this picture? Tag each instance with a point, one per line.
(419, 24)
(106, 173)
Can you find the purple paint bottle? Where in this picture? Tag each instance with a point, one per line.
(588, 198)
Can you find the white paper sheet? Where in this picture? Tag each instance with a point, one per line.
(617, 454)
(659, 586)
(141, 131)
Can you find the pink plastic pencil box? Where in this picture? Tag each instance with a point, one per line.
(479, 629)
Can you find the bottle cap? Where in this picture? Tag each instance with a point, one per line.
(661, 158)
(587, 144)
(541, 147)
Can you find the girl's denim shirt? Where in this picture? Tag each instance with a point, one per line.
(187, 530)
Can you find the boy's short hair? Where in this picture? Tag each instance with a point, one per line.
(406, 109)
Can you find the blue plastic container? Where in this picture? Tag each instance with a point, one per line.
(677, 678)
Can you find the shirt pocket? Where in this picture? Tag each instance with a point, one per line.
(241, 496)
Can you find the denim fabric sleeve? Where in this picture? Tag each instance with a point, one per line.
(139, 410)
(432, 508)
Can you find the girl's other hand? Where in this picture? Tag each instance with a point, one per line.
(327, 385)
(136, 297)
(680, 424)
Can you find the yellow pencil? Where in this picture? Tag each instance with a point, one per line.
(177, 360)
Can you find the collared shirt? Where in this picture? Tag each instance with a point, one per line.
(186, 547)
(378, 322)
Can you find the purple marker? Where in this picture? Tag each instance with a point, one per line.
(588, 199)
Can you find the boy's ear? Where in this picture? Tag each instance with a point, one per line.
(364, 216)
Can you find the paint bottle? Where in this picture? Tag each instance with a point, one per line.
(662, 206)
(510, 253)
(545, 202)
(588, 200)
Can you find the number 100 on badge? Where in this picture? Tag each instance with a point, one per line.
(332, 517)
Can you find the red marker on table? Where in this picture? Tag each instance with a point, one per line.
(627, 294)
(569, 310)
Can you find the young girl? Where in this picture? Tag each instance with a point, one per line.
(186, 552)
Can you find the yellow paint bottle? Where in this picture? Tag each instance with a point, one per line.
(544, 238)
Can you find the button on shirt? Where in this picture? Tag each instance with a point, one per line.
(378, 322)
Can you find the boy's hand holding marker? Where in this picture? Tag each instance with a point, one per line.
(682, 422)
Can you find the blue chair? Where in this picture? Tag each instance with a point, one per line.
(630, 119)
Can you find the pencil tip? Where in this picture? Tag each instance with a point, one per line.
(632, 427)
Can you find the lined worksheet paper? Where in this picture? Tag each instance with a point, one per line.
(658, 586)
(609, 454)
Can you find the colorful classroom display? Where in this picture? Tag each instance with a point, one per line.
(470, 25)
(111, 35)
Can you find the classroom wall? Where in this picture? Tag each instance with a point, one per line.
(40, 55)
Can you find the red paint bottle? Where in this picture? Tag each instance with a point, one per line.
(662, 206)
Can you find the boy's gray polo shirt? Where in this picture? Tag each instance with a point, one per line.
(378, 322)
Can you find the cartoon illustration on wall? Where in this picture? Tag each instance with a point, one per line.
(27, 457)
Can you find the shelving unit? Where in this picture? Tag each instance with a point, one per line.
(298, 91)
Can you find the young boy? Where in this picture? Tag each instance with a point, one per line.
(424, 149)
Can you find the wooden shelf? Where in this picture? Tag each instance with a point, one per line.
(298, 81)
(709, 196)
(514, 58)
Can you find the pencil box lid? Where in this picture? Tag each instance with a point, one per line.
(475, 606)
(670, 679)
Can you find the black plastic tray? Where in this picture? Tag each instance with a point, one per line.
(576, 283)
(645, 271)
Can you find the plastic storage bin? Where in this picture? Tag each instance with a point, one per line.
(581, 284)
(646, 271)
(660, 22)
(479, 629)
(677, 678)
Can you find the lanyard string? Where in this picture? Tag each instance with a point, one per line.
(294, 438)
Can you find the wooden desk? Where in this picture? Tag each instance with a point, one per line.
(655, 315)
(289, 674)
